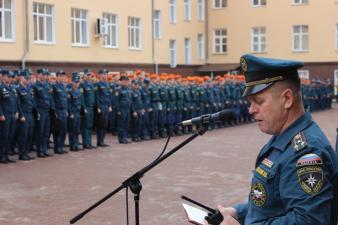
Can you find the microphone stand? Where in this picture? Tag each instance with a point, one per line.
(133, 182)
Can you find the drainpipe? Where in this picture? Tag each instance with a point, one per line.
(25, 56)
(206, 44)
(153, 36)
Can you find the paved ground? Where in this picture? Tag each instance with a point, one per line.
(214, 169)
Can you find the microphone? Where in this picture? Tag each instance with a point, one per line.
(222, 116)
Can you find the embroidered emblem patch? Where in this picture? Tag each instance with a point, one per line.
(299, 142)
(310, 173)
(244, 65)
(258, 194)
(267, 162)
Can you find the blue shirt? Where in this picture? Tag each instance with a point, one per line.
(293, 180)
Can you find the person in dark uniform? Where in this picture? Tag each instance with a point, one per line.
(147, 108)
(137, 111)
(103, 107)
(26, 117)
(123, 96)
(295, 175)
(60, 114)
(9, 113)
(87, 89)
(75, 104)
(44, 104)
(155, 103)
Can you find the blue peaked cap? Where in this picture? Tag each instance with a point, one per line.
(260, 73)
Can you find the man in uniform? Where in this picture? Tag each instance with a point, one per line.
(87, 89)
(295, 176)
(44, 103)
(9, 113)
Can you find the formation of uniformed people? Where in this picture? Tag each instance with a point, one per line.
(136, 106)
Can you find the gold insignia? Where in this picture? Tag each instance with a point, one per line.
(261, 172)
(299, 142)
(244, 65)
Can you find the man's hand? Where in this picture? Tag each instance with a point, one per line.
(229, 216)
(98, 110)
(2, 118)
(110, 109)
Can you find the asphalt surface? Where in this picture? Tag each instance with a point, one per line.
(214, 169)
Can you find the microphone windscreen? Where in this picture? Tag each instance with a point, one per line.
(226, 115)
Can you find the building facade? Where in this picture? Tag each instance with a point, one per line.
(181, 36)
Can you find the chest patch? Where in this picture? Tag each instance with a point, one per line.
(310, 173)
(299, 142)
(267, 162)
(258, 194)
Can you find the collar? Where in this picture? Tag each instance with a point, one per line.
(281, 141)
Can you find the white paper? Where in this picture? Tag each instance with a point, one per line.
(195, 215)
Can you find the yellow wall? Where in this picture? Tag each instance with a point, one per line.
(278, 16)
(238, 18)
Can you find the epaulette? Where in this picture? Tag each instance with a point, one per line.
(299, 142)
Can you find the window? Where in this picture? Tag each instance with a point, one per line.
(187, 51)
(201, 10)
(172, 11)
(134, 33)
(79, 27)
(300, 38)
(258, 39)
(6, 20)
(304, 74)
(157, 24)
(220, 41)
(337, 37)
(187, 10)
(111, 40)
(43, 23)
(201, 46)
(258, 2)
(300, 2)
(219, 4)
(172, 53)
(336, 82)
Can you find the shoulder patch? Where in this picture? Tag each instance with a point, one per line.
(309, 160)
(310, 173)
(299, 142)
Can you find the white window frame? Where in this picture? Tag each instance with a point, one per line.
(301, 36)
(335, 80)
(172, 53)
(219, 4)
(258, 38)
(113, 25)
(221, 43)
(201, 10)
(337, 36)
(74, 21)
(187, 10)
(201, 46)
(3, 11)
(258, 3)
(134, 31)
(157, 24)
(172, 11)
(44, 16)
(300, 2)
(304, 74)
(187, 51)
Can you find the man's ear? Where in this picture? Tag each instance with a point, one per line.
(287, 98)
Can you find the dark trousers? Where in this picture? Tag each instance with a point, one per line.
(74, 130)
(43, 130)
(87, 127)
(123, 121)
(60, 130)
(25, 134)
(102, 125)
(7, 128)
